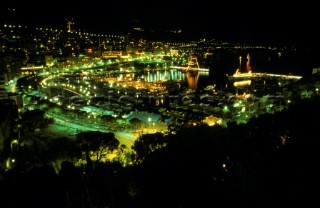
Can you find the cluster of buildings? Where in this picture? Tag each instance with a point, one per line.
(28, 49)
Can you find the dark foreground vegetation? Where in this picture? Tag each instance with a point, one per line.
(270, 161)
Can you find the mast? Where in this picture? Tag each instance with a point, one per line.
(240, 60)
(248, 63)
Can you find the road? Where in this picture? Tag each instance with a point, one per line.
(68, 128)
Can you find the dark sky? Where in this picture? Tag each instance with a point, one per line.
(240, 20)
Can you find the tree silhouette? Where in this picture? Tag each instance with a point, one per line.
(195, 168)
(146, 144)
(62, 149)
(136, 123)
(33, 118)
(99, 143)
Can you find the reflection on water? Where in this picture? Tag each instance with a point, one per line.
(227, 61)
(193, 78)
(242, 83)
(166, 75)
(190, 77)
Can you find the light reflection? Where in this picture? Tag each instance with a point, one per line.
(242, 83)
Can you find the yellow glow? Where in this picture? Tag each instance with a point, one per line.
(211, 120)
(242, 83)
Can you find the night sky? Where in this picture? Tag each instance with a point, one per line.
(241, 20)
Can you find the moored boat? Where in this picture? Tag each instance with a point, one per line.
(240, 76)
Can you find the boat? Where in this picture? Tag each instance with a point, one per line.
(240, 76)
(193, 65)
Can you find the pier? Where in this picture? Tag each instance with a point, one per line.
(285, 76)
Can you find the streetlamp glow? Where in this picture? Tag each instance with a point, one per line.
(149, 120)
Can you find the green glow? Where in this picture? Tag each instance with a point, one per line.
(242, 121)
(225, 109)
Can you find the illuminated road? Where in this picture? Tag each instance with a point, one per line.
(126, 137)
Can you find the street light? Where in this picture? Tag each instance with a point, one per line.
(149, 120)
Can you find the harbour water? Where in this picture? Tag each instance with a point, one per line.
(226, 62)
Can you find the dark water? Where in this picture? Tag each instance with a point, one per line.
(222, 62)
(225, 62)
